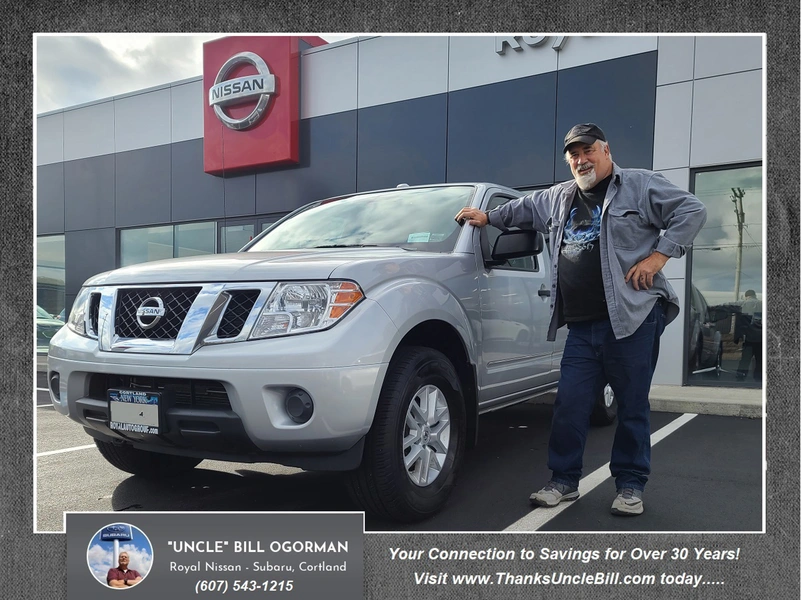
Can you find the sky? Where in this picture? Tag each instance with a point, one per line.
(100, 555)
(74, 69)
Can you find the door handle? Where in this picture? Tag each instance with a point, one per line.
(543, 293)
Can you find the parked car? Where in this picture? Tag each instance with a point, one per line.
(705, 342)
(364, 333)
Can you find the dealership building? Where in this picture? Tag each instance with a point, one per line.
(204, 164)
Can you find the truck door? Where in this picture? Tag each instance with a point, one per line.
(516, 355)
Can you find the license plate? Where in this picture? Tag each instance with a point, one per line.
(134, 411)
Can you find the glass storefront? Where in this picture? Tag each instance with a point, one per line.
(233, 237)
(145, 244)
(725, 289)
(50, 279)
(193, 239)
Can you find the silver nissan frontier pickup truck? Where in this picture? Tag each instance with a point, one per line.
(364, 333)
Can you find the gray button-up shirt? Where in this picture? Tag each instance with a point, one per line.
(639, 204)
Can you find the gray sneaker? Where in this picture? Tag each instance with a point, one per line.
(553, 493)
(628, 503)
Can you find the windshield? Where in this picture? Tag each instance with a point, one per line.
(412, 218)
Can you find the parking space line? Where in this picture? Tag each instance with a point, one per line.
(51, 452)
(539, 517)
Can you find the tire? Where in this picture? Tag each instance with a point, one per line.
(390, 483)
(151, 465)
(605, 411)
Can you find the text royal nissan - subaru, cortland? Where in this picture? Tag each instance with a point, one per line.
(364, 333)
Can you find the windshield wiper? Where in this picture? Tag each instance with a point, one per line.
(365, 246)
(348, 246)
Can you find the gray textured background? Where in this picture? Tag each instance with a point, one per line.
(769, 563)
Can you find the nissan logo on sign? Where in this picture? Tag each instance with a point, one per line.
(242, 89)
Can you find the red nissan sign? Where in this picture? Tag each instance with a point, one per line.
(251, 102)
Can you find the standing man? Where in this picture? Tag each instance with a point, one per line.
(607, 286)
(122, 576)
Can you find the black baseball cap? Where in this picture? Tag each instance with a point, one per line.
(586, 133)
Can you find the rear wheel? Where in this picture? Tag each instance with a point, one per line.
(415, 446)
(151, 465)
(605, 411)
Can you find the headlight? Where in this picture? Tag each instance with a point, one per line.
(303, 307)
(77, 320)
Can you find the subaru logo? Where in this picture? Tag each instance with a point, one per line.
(150, 312)
(242, 89)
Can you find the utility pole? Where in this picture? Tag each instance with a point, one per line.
(737, 198)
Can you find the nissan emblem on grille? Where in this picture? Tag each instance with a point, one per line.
(242, 89)
(150, 312)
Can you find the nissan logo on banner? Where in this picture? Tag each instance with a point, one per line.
(224, 92)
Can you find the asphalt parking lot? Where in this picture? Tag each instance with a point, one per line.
(706, 476)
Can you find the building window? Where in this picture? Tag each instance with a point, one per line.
(724, 295)
(145, 244)
(50, 279)
(192, 239)
(233, 237)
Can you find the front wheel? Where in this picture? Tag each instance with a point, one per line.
(415, 446)
(151, 465)
(605, 411)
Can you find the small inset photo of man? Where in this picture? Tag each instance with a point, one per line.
(119, 556)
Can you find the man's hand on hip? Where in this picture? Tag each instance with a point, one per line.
(642, 274)
(473, 216)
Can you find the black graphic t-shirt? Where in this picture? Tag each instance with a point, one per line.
(581, 286)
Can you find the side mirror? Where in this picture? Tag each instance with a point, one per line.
(515, 244)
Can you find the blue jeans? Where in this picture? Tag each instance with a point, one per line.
(593, 358)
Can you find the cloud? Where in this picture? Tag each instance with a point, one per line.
(100, 559)
(73, 70)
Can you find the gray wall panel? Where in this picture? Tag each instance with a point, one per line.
(240, 196)
(88, 253)
(195, 194)
(474, 62)
(89, 193)
(50, 199)
(402, 142)
(724, 130)
(143, 187)
(676, 59)
(142, 120)
(720, 55)
(590, 49)
(669, 367)
(503, 132)
(399, 68)
(624, 109)
(89, 131)
(50, 139)
(327, 166)
(676, 268)
(186, 107)
(674, 105)
(328, 81)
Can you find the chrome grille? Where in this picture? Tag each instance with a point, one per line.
(236, 313)
(177, 302)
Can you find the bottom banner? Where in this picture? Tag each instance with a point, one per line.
(175, 555)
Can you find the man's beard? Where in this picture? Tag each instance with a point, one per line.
(586, 181)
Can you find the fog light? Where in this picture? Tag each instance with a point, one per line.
(55, 385)
(299, 406)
